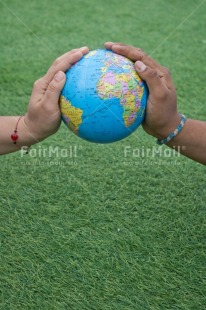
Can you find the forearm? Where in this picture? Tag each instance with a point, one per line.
(7, 127)
(191, 141)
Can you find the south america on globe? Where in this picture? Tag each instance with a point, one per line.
(103, 99)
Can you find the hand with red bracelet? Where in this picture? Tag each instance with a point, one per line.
(162, 117)
(43, 117)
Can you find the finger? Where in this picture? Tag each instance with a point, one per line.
(138, 54)
(64, 62)
(108, 45)
(156, 86)
(133, 53)
(83, 49)
(51, 97)
(37, 91)
(165, 76)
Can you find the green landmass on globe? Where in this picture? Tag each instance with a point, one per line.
(103, 100)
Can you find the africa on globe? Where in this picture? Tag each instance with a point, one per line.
(103, 99)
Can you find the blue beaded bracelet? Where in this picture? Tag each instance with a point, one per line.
(174, 133)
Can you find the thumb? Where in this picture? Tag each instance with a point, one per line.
(151, 77)
(54, 88)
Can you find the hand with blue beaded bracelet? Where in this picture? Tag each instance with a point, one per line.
(163, 121)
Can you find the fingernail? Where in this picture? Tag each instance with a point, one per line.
(140, 66)
(59, 76)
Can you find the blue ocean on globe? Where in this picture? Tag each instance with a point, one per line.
(103, 100)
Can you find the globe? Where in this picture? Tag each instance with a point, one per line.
(103, 99)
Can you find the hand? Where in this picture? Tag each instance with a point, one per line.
(162, 116)
(43, 117)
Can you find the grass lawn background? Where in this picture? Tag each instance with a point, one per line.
(102, 231)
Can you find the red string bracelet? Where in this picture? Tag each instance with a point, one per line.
(14, 135)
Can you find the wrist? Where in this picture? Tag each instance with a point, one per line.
(14, 134)
(40, 128)
(26, 137)
(164, 131)
(174, 133)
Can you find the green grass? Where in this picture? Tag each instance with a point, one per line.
(100, 231)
